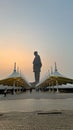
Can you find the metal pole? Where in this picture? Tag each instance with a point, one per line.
(57, 86)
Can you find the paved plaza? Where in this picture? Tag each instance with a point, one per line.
(35, 121)
(36, 111)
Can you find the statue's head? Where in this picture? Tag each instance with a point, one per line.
(35, 53)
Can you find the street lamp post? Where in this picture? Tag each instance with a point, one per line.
(14, 87)
(57, 86)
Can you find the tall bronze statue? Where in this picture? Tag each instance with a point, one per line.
(37, 66)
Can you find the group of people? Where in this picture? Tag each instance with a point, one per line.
(6, 91)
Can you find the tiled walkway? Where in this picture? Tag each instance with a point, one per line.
(35, 121)
(57, 116)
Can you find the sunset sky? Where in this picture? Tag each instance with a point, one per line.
(42, 25)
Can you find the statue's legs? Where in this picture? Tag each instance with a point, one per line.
(37, 77)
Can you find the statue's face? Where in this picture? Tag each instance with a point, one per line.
(35, 53)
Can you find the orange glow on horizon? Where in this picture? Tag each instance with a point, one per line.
(23, 60)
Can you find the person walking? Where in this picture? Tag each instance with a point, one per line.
(5, 92)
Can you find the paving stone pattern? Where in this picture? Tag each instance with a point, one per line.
(37, 120)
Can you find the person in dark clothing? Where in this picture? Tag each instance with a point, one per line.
(37, 66)
(12, 91)
(5, 92)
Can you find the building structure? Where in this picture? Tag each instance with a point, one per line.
(54, 80)
(15, 79)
